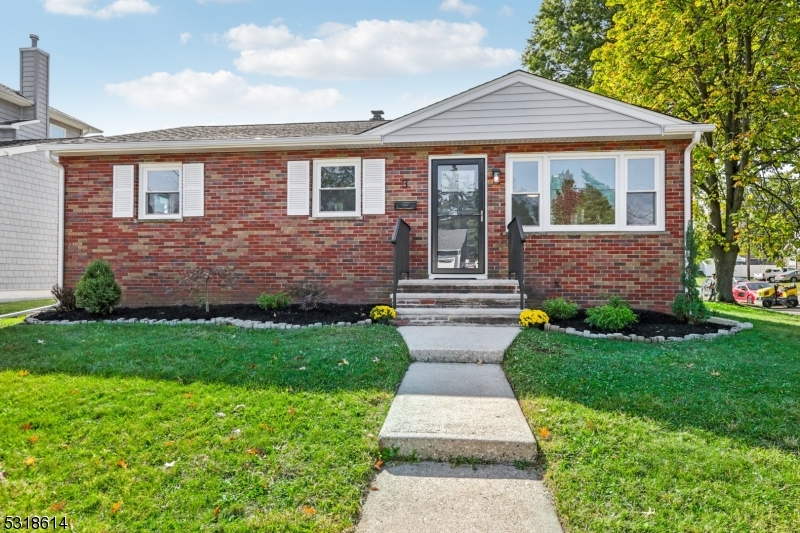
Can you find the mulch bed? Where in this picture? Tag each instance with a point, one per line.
(325, 313)
(650, 324)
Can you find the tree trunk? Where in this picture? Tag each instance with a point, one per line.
(725, 263)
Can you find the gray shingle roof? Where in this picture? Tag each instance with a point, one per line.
(10, 143)
(251, 131)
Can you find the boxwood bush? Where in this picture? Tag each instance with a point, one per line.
(97, 291)
(274, 301)
(613, 316)
(559, 308)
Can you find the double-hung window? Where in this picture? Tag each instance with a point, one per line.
(159, 191)
(597, 191)
(337, 187)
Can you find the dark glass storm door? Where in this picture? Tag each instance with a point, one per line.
(458, 218)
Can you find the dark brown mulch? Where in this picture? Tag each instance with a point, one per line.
(650, 324)
(325, 313)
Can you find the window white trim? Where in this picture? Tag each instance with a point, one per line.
(620, 182)
(349, 162)
(144, 168)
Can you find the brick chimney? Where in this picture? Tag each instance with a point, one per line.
(34, 84)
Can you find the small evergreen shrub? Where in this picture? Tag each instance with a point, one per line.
(97, 291)
(274, 301)
(689, 306)
(559, 308)
(533, 317)
(613, 316)
(310, 295)
(65, 297)
(382, 312)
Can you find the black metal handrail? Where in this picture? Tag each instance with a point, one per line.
(516, 256)
(401, 240)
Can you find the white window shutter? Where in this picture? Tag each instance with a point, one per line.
(297, 188)
(193, 196)
(122, 204)
(373, 179)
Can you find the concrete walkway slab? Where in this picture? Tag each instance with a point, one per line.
(443, 411)
(458, 344)
(434, 497)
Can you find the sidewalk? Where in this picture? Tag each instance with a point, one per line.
(454, 406)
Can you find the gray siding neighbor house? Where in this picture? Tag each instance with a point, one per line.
(30, 183)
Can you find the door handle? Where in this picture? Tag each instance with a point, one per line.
(481, 215)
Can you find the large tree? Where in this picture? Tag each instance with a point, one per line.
(734, 63)
(565, 33)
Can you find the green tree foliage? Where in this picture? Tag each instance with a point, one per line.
(565, 33)
(97, 291)
(733, 63)
(596, 207)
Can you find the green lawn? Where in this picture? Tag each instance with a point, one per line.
(690, 437)
(23, 305)
(187, 428)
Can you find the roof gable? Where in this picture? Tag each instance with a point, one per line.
(523, 106)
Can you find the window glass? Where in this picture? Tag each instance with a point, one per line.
(525, 195)
(642, 174)
(57, 132)
(163, 180)
(641, 209)
(337, 189)
(163, 192)
(582, 192)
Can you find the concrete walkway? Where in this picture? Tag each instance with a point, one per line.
(450, 407)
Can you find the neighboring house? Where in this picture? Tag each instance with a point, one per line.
(29, 181)
(601, 187)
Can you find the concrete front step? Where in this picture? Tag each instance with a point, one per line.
(458, 344)
(455, 299)
(507, 286)
(443, 316)
(444, 411)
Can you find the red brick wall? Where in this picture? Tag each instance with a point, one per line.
(245, 226)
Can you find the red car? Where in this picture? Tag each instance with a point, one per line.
(745, 292)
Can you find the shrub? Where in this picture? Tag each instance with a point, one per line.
(65, 297)
(689, 305)
(559, 308)
(197, 280)
(310, 295)
(97, 291)
(274, 301)
(613, 316)
(382, 312)
(533, 317)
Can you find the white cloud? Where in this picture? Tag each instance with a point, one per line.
(370, 49)
(506, 10)
(185, 36)
(219, 93)
(457, 5)
(88, 8)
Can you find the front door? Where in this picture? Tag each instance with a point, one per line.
(458, 227)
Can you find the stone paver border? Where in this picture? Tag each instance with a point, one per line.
(735, 326)
(219, 321)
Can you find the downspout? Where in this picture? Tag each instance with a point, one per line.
(48, 155)
(687, 180)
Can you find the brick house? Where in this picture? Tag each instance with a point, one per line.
(30, 190)
(600, 187)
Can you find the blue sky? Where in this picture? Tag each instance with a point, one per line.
(134, 65)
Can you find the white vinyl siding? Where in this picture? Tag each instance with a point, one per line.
(122, 192)
(192, 195)
(297, 187)
(520, 111)
(374, 187)
(624, 190)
